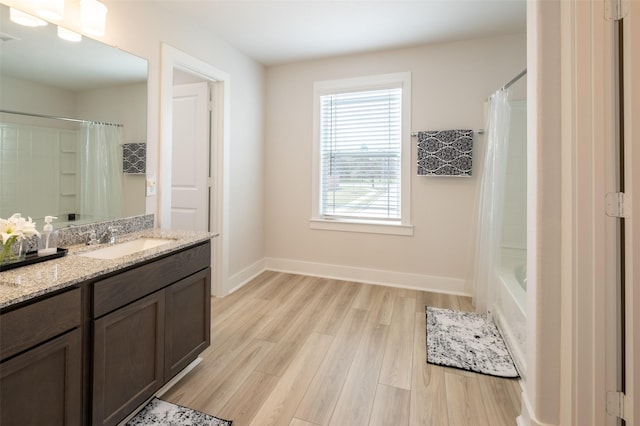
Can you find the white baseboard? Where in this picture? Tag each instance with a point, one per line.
(241, 278)
(526, 417)
(370, 276)
(349, 273)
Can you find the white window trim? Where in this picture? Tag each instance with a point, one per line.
(383, 81)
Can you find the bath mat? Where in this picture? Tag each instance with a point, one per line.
(159, 412)
(468, 341)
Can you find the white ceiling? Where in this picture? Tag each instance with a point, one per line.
(270, 31)
(279, 31)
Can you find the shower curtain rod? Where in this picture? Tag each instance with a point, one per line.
(478, 131)
(77, 120)
(514, 79)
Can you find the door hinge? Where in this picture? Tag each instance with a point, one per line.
(616, 205)
(210, 182)
(616, 404)
(615, 10)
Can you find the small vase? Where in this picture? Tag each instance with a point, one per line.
(12, 251)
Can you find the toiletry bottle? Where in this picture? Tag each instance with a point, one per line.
(49, 239)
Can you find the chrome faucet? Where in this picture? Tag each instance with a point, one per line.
(93, 237)
(112, 233)
(109, 236)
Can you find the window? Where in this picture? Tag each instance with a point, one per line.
(361, 154)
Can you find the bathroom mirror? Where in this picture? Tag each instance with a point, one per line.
(42, 74)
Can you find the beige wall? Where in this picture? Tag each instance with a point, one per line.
(24, 95)
(450, 84)
(126, 105)
(245, 218)
(140, 27)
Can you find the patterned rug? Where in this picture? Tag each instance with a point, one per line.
(159, 412)
(468, 341)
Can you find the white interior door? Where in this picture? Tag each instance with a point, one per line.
(190, 157)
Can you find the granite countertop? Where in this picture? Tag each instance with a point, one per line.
(27, 282)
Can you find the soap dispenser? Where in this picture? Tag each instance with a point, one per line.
(49, 239)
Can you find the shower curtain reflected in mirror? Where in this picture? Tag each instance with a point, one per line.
(100, 171)
(491, 200)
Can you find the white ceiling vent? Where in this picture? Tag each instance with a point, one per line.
(7, 37)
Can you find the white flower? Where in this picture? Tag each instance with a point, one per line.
(17, 226)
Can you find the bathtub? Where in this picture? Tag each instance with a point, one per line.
(510, 304)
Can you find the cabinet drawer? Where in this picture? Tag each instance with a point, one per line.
(123, 288)
(29, 325)
(43, 386)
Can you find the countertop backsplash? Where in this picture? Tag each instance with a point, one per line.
(73, 235)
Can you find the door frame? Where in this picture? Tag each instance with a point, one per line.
(590, 267)
(172, 58)
(631, 52)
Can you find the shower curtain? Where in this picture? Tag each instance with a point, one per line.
(101, 192)
(491, 201)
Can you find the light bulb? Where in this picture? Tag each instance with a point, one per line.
(50, 9)
(94, 17)
(68, 35)
(21, 18)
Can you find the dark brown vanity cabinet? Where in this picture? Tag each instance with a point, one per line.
(41, 352)
(128, 358)
(187, 321)
(92, 353)
(149, 323)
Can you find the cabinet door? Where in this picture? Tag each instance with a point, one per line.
(188, 326)
(43, 385)
(128, 358)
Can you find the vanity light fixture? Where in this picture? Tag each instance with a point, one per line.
(94, 16)
(21, 18)
(68, 35)
(50, 9)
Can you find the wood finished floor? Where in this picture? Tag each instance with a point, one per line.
(301, 351)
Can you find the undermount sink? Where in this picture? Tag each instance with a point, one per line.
(123, 249)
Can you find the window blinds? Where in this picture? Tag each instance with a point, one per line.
(360, 144)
